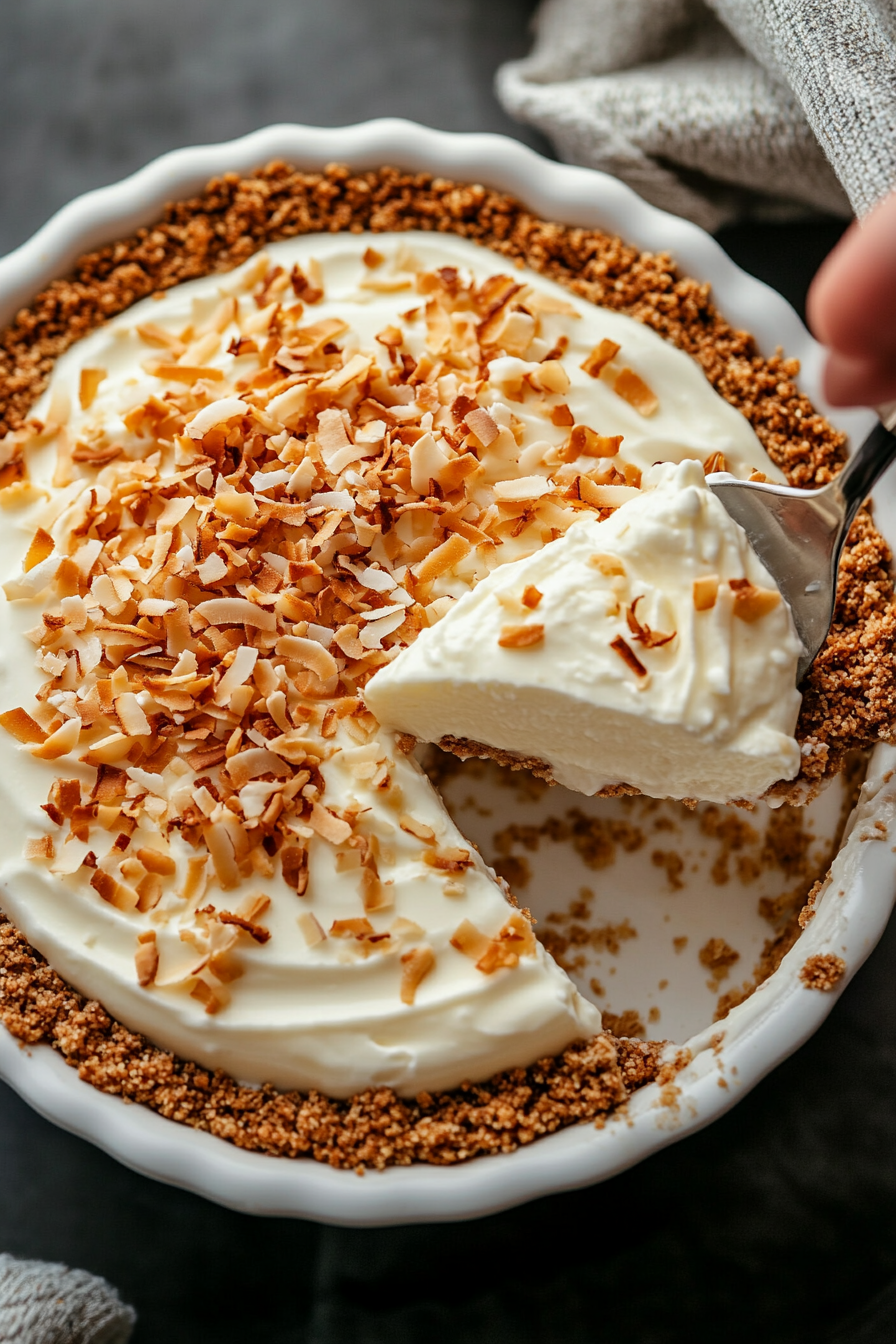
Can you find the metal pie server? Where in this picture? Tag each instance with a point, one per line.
(799, 534)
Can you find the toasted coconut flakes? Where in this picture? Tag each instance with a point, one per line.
(207, 997)
(531, 596)
(520, 636)
(628, 656)
(296, 746)
(514, 940)
(706, 591)
(372, 258)
(328, 825)
(458, 470)
(216, 413)
(42, 546)
(60, 743)
(550, 376)
(20, 725)
(252, 907)
(427, 462)
(392, 338)
(375, 631)
(443, 558)
(332, 434)
(605, 496)
(40, 848)
(289, 407)
(356, 368)
(523, 487)
(600, 356)
(212, 569)
(237, 674)
(116, 893)
(470, 940)
(385, 284)
(417, 828)
(635, 391)
(253, 762)
(562, 416)
(585, 442)
(482, 425)
(149, 892)
(130, 715)
(255, 931)
(154, 861)
(154, 606)
(415, 965)
(649, 639)
(715, 462)
(752, 603)
(607, 564)
(351, 928)
(405, 928)
(312, 930)
(295, 868)
(237, 506)
(109, 750)
(376, 894)
(454, 859)
(184, 373)
(310, 654)
(235, 611)
(146, 958)
(203, 758)
(197, 873)
(220, 847)
(153, 334)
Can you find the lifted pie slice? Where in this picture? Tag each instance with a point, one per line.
(647, 652)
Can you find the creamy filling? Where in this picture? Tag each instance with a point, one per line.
(242, 500)
(651, 649)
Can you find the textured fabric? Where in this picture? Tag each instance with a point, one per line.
(50, 1304)
(720, 108)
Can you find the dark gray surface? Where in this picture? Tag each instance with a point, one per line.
(777, 1222)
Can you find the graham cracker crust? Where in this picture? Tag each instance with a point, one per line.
(374, 1129)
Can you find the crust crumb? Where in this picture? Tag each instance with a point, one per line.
(822, 971)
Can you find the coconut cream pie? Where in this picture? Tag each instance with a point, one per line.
(265, 527)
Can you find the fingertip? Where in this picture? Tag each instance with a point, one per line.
(852, 300)
(848, 381)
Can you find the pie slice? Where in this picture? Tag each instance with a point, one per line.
(649, 652)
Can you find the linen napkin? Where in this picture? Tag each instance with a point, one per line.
(716, 109)
(51, 1304)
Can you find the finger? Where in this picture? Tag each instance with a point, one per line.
(858, 382)
(852, 302)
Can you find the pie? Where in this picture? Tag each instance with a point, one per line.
(310, 427)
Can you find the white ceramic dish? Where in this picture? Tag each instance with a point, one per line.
(757, 1035)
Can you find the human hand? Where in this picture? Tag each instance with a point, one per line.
(852, 310)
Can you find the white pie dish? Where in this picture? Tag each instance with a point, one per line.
(759, 1034)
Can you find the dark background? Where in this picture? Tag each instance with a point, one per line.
(775, 1224)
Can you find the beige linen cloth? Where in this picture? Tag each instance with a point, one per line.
(716, 109)
(51, 1304)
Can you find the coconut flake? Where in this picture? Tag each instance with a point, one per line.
(523, 487)
(216, 413)
(235, 611)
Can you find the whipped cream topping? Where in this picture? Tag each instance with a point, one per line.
(242, 499)
(651, 649)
